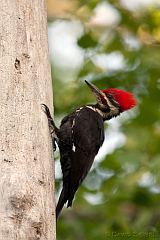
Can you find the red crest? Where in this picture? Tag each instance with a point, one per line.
(125, 99)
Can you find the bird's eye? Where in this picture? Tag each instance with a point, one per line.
(109, 95)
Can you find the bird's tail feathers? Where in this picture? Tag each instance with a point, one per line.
(61, 201)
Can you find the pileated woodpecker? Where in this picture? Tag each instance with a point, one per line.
(81, 134)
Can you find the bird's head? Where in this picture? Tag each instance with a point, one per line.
(112, 100)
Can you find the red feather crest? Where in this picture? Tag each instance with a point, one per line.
(125, 99)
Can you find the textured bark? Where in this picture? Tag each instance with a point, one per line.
(27, 208)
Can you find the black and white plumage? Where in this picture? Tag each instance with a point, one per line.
(80, 136)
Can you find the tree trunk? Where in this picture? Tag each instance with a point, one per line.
(27, 208)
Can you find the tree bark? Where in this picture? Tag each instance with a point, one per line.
(27, 209)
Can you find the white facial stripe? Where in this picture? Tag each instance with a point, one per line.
(113, 111)
(73, 148)
(108, 102)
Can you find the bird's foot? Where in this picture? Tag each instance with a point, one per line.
(52, 127)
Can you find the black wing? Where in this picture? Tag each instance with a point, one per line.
(88, 136)
(80, 137)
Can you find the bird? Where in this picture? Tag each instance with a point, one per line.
(81, 134)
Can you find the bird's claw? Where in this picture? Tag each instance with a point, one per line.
(51, 125)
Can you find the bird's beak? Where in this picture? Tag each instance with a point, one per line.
(97, 92)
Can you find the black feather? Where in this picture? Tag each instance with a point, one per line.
(80, 136)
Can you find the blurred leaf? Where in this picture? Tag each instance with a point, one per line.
(87, 41)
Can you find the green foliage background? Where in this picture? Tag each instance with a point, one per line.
(129, 210)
